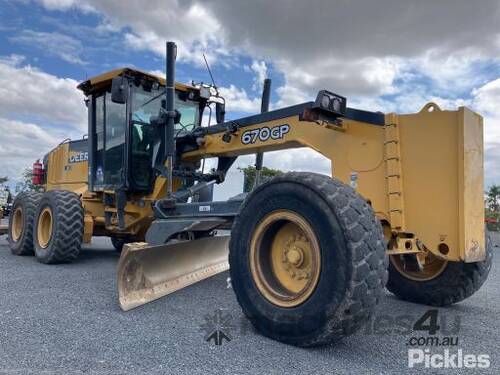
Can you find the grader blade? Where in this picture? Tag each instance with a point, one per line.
(146, 273)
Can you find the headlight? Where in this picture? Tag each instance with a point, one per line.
(328, 101)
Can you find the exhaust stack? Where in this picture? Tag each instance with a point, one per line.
(264, 107)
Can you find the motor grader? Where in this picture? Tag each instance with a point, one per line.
(309, 255)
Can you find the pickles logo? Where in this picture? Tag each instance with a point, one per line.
(451, 357)
(264, 134)
(78, 158)
(447, 359)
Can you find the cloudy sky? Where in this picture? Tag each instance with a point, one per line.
(385, 55)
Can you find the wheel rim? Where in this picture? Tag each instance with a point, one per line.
(285, 258)
(17, 223)
(420, 267)
(44, 228)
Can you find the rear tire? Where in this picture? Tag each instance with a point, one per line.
(352, 260)
(21, 222)
(458, 281)
(58, 230)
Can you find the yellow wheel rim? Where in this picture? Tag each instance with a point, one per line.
(285, 258)
(17, 224)
(423, 267)
(44, 228)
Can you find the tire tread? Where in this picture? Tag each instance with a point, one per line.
(363, 234)
(68, 234)
(30, 200)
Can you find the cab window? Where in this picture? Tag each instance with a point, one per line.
(146, 138)
(116, 121)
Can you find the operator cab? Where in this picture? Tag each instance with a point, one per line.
(124, 140)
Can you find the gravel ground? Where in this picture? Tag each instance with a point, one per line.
(65, 319)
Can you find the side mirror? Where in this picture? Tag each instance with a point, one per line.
(220, 112)
(119, 90)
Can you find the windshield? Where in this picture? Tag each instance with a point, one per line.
(146, 104)
(145, 145)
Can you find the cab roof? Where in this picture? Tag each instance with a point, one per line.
(103, 80)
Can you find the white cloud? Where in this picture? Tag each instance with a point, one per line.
(487, 97)
(189, 23)
(21, 144)
(354, 48)
(37, 111)
(27, 91)
(64, 46)
(237, 100)
(486, 101)
(65, 4)
(358, 47)
(260, 70)
(290, 95)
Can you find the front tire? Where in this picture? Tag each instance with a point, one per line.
(58, 230)
(21, 223)
(307, 259)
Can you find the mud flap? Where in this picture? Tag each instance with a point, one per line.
(146, 273)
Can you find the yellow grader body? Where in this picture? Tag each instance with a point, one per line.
(422, 173)
(308, 254)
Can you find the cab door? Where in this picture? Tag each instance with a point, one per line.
(107, 167)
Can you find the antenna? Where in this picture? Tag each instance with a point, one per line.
(209, 71)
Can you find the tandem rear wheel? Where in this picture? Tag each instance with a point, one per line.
(21, 223)
(58, 227)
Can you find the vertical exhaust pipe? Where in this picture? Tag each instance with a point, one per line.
(170, 112)
(264, 107)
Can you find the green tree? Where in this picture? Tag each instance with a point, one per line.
(26, 183)
(493, 198)
(492, 209)
(249, 173)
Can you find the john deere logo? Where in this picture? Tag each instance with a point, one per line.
(77, 158)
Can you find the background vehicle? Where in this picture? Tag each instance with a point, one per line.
(5, 200)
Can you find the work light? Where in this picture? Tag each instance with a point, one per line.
(328, 101)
